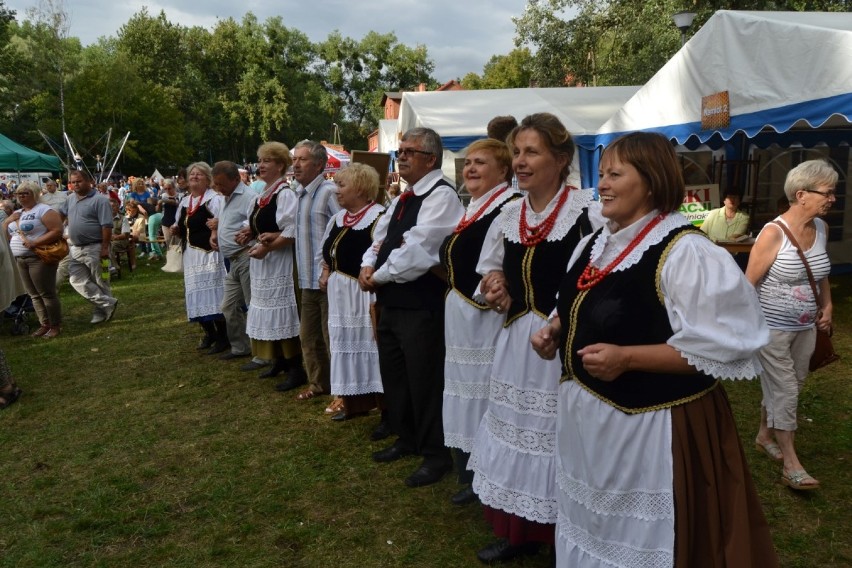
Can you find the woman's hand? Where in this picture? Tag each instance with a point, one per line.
(604, 361)
(258, 251)
(823, 322)
(545, 342)
(323, 280)
(365, 279)
(496, 292)
(242, 237)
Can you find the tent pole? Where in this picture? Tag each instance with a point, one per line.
(118, 155)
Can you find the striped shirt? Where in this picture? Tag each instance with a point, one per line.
(785, 292)
(317, 204)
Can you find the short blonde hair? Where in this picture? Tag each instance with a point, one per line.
(278, 151)
(362, 177)
(30, 186)
(498, 149)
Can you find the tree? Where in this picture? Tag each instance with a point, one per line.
(7, 17)
(96, 105)
(618, 42)
(35, 102)
(52, 18)
(510, 71)
(357, 73)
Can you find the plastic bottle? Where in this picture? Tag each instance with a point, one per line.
(105, 269)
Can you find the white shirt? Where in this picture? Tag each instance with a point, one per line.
(55, 200)
(439, 214)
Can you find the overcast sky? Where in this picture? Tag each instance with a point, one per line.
(460, 35)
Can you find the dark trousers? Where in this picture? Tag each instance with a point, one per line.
(411, 360)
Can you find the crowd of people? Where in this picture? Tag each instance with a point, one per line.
(547, 341)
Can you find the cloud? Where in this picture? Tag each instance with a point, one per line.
(460, 36)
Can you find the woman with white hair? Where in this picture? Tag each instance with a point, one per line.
(788, 262)
(204, 268)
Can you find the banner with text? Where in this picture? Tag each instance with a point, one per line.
(699, 201)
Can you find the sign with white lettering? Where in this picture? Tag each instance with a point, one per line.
(715, 111)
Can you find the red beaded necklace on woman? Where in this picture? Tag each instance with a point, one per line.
(190, 210)
(592, 275)
(267, 195)
(352, 220)
(531, 236)
(467, 222)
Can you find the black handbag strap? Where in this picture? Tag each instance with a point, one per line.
(804, 260)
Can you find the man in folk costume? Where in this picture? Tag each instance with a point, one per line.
(410, 297)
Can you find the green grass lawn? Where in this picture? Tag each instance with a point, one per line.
(129, 448)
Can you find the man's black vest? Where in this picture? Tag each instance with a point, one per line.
(424, 293)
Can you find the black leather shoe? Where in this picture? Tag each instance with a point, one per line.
(381, 432)
(427, 475)
(502, 551)
(294, 380)
(342, 416)
(391, 454)
(205, 343)
(230, 355)
(218, 347)
(464, 497)
(253, 366)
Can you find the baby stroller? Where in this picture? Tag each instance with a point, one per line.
(19, 312)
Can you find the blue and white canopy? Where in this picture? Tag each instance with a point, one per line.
(461, 117)
(788, 76)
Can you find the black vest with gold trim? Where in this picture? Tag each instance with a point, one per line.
(344, 247)
(263, 219)
(195, 227)
(534, 273)
(460, 254)
(625, 308)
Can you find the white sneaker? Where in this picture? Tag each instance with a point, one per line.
(111, 311)
(98, 318)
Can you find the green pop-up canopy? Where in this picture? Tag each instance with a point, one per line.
(17, 158)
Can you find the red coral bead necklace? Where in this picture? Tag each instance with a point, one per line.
(467, 222)
(352, 220)
(591, 275)
(531, 236)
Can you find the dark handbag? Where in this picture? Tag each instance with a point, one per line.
(52, 253)
(824, 353)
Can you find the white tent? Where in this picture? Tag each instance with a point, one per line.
(388, 137)
(788, 80)
(461, 117)
(782, 70)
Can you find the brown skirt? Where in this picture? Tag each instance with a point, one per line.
(719, 521)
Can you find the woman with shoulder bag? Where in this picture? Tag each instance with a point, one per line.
(36, 225)
(789, 266)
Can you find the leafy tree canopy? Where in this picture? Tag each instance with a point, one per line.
(510, 71)
(188, 93)
(619, 42)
